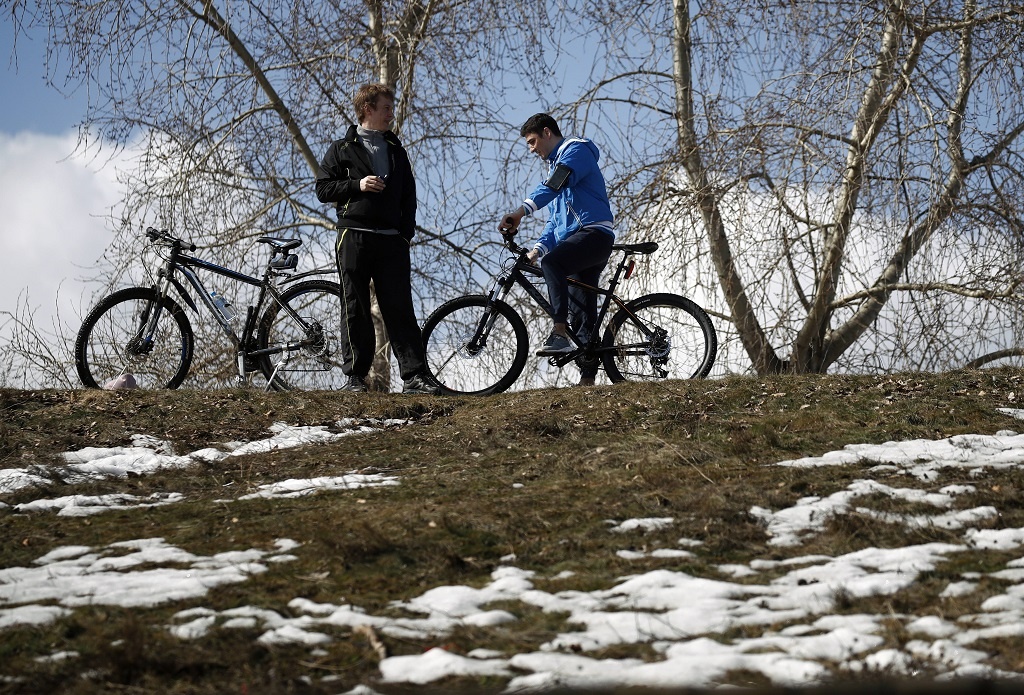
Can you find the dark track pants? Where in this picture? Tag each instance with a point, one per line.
(582, 256)
(384, 259)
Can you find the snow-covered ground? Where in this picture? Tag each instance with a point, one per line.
(702, 628)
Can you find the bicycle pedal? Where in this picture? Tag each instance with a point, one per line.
(562, 360)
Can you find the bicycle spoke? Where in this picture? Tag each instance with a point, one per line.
(661, 336)
(464, 361)
(304, 347)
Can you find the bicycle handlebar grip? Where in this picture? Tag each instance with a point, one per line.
(155, 234)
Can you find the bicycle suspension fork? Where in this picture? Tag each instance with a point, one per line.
(143, 342)
(502, 286)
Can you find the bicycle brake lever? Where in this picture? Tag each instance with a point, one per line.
(514, 247)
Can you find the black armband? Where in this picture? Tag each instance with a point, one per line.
(559, 175)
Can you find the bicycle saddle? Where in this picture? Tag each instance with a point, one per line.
(280, 244)
(643, 247)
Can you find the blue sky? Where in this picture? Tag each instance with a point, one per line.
(30, 104)
(53, 199)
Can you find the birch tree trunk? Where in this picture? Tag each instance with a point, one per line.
(905, 111)
(754, 340)
(395, 46)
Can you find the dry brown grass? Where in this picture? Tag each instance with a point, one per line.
(694, 451)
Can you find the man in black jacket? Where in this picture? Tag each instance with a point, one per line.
(368, 176)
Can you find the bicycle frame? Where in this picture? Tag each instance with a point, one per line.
(180, 262)
(516, 275)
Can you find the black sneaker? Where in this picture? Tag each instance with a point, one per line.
(556, 344)
(420, 384)
(355, 384)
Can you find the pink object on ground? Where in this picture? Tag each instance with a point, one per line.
(125, 381)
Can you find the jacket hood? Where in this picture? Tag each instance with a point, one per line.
(589, 144)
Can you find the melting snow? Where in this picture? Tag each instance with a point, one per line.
(781, 621)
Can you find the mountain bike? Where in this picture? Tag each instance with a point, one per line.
(478, 344)
(140, 337)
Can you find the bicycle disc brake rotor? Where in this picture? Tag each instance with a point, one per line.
(471, 346)
(660, 345)
(470, 350)
(318, 343)
(138, 348)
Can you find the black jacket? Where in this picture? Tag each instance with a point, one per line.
(345, 163)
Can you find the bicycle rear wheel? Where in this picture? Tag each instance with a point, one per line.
(473, 350)
(304, 340)
(682, 342)
(111, 342)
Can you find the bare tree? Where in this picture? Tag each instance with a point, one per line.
(31, 350)
(231, 105)
(845, 185)
(839, 184)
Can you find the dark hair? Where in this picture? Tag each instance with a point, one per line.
(537, 123)
(367, 96)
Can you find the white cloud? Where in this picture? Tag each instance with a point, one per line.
(55, 203)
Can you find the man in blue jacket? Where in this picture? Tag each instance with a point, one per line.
(578, 236)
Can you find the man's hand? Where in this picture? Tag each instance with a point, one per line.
(533, 256)
(371, 184)
(509, 224)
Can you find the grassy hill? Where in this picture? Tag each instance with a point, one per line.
(535, 475)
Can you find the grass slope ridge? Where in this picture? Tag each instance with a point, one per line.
(534, 474)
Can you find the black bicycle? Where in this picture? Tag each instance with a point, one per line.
(141, 337)
(478, 344)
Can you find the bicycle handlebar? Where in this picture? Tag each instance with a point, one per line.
(515, 248)
(508, 237)
(164, 237)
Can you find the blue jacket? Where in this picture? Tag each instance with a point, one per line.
(581, 202)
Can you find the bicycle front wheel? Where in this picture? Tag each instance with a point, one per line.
(112, 350)
(301, 336)
(475, 347)
(659, 336)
